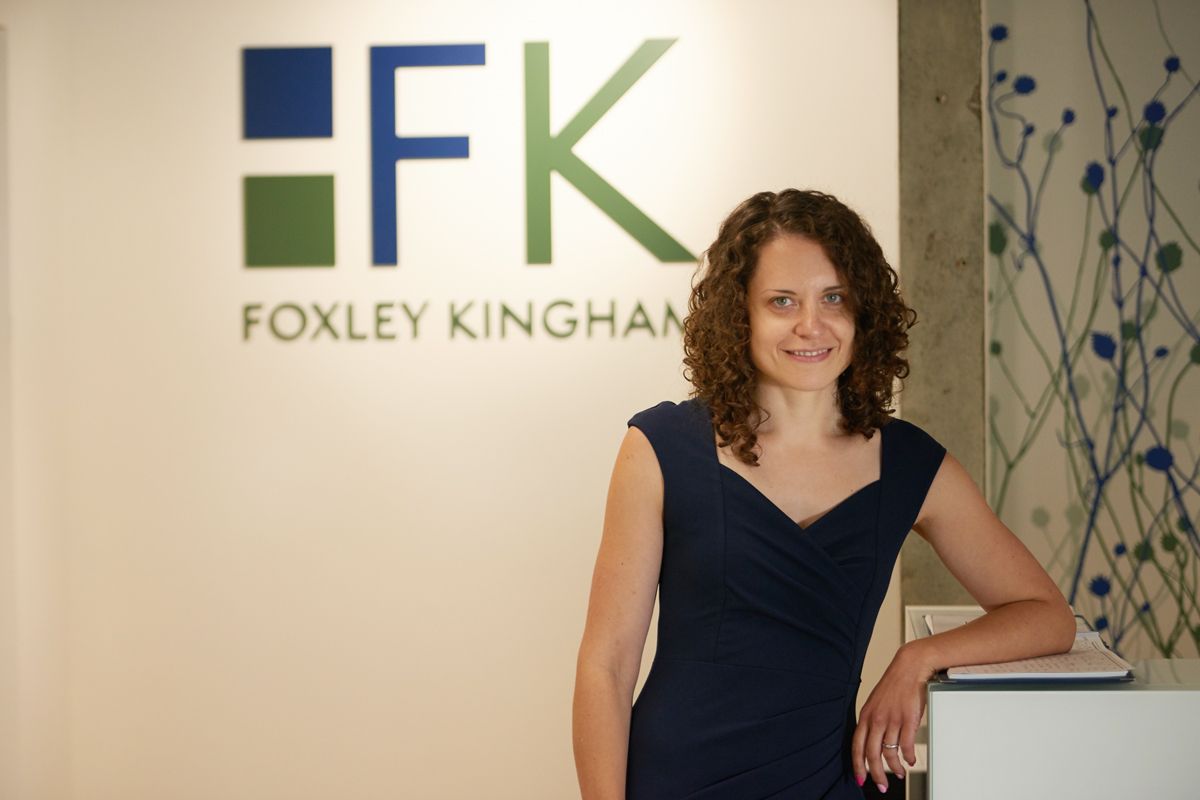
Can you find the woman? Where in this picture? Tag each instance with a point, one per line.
(771, 507)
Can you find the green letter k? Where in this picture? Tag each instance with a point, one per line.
(545, 154)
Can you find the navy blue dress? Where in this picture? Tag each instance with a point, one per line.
(763, 625)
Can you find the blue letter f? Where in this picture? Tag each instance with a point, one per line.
(387, 148)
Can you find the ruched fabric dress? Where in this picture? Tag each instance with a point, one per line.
(763, 624)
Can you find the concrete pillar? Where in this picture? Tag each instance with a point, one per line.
(942, 250)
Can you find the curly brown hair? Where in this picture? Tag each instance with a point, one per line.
(716, 333)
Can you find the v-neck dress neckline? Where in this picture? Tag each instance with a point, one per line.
(845, 501)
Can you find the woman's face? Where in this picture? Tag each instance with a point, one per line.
(801, 325)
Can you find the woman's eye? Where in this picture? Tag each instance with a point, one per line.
(781, 301)
(834, 297)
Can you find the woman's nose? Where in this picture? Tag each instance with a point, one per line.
(807, 319)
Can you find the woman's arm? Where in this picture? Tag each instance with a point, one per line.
(624, 584)
(1026, 616)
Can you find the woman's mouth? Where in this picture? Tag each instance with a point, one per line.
(810, 355)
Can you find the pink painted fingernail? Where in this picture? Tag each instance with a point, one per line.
(882, 787)
(861, 779)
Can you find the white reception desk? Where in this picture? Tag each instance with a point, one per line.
(1055, 740)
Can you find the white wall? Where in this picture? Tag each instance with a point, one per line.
(8, 596)
(39, 110)
(257, 569)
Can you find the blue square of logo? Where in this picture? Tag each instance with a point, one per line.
(287, 92)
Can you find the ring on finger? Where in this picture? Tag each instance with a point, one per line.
(891, 746)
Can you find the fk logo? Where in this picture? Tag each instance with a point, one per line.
(288, 93)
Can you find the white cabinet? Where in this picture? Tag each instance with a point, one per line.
(1061, 740)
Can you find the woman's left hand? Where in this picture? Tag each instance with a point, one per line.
(891, 715)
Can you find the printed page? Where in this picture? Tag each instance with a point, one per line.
(1088, 658)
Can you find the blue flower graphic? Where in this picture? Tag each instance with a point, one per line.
(1093, 176)
(1161, 352)
(1001, 76)
(1172, 63)
(1159, 458)
(1101, 623)
(1024, 84)
(1099, 586)
(1068, 116)
(1000, 32)
(1154, 111)
(1119, 548)
(1104, 346)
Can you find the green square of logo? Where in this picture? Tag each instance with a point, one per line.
(289, 220)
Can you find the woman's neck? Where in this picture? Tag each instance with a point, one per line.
(799, 417)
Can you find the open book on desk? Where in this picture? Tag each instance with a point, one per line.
(1088, 659)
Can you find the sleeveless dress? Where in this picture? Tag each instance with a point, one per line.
(763, 624)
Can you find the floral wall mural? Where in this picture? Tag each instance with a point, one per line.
(1092, 127)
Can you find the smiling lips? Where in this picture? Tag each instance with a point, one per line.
(809, 355)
